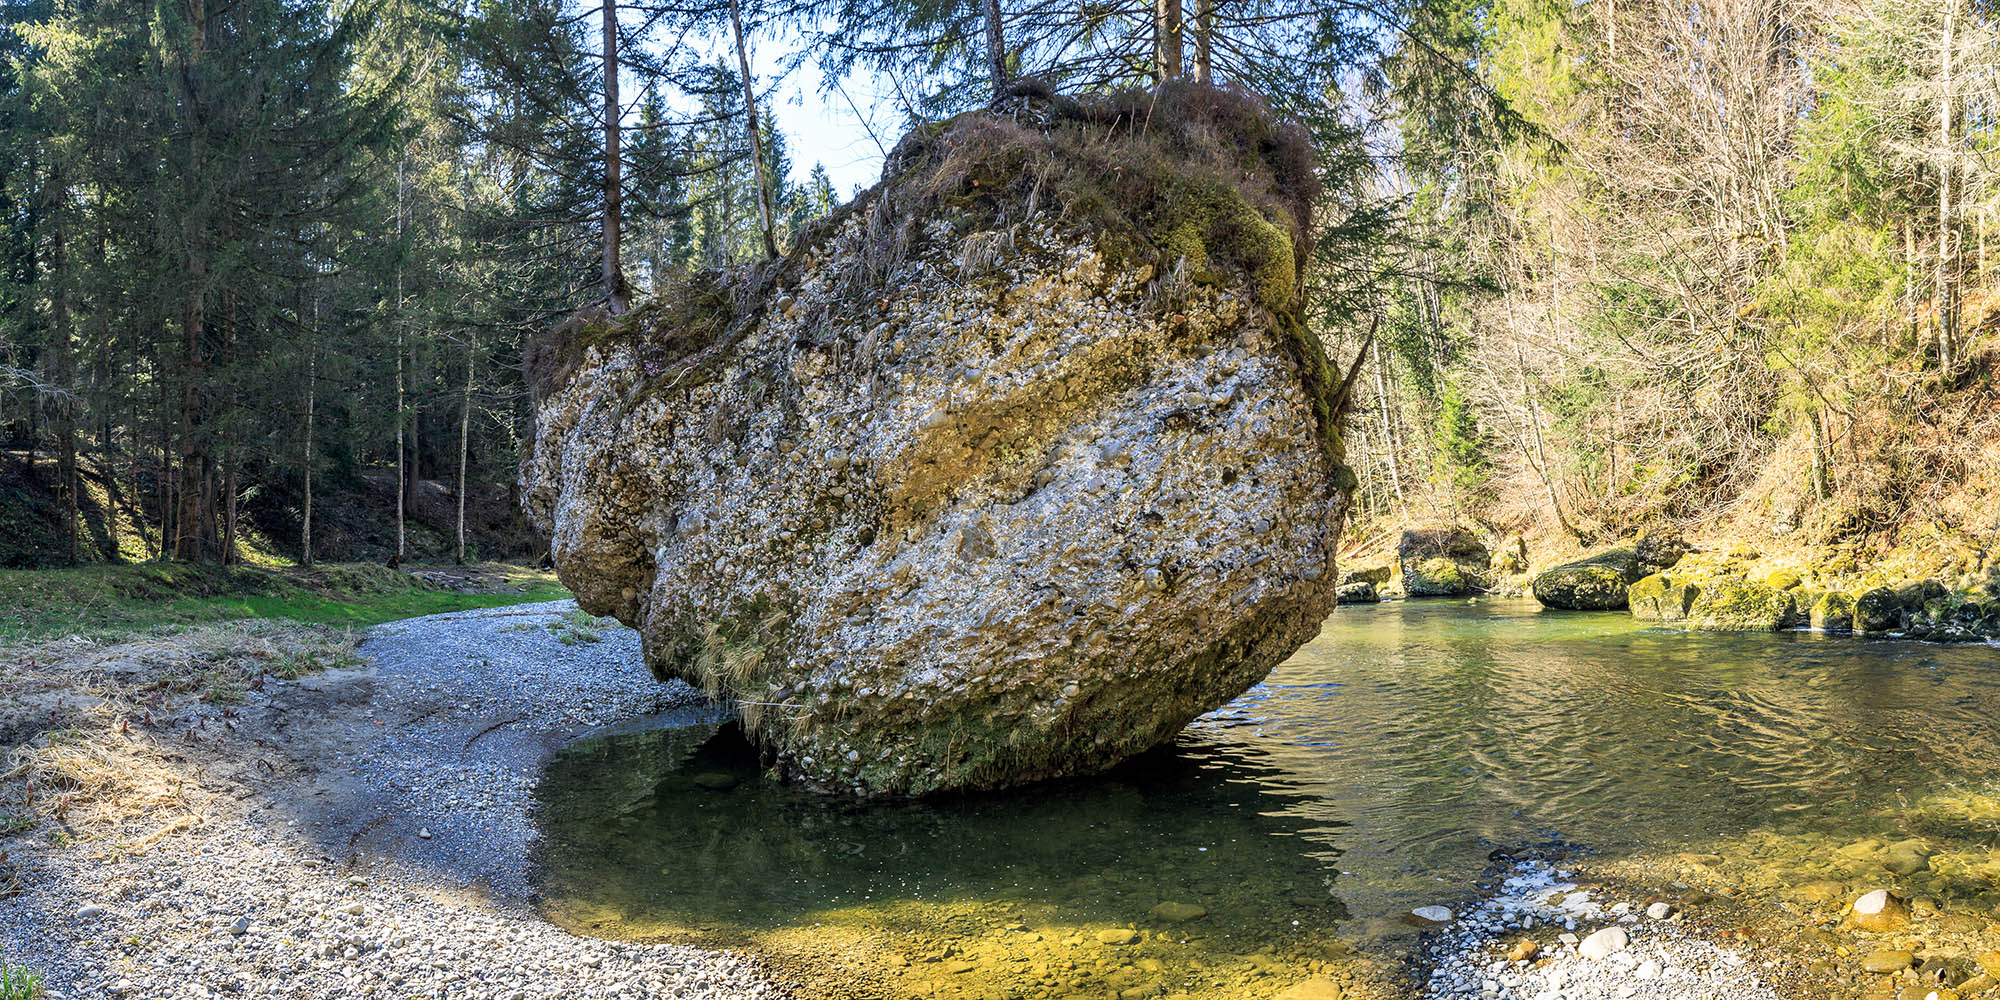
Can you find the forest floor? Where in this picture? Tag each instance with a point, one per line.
(267, 809)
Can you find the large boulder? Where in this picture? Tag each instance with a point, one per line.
(994, 478)
(1596, 583)
(1442, 562)
(1878, 609)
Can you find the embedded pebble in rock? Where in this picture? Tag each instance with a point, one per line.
(1481, 956)
(300, 890)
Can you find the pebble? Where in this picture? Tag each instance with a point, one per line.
(90, 912)
(1883, 962)
(1659, 911)
(1604, 943)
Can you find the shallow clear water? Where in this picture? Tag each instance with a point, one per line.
(1374, 771)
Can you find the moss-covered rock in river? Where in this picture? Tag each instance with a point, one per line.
(1443, 561)
(1878, 610)
(1661, 598)
(1742, 606)
(1009, 470)
(1832, 612)
(1596, 583)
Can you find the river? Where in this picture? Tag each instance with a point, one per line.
(1379, 769)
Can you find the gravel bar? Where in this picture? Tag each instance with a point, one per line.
(369, 836)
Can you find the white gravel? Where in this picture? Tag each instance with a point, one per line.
(384, 856)
(1643, 951)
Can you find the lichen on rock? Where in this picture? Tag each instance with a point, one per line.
(991, 479)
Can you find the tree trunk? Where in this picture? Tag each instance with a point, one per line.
(230, 458)
(615, 295)
(194, 526)
(65, 365)
(464, 447)
(996, 48)
(1167, 40)
(1204, 41)
(1388, 434)
(402, 406)
(312, 397)
(1946, 278)
(756, 134)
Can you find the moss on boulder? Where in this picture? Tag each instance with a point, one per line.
(1661, 598)
(1436, 577)
(1596, 583)
(1742, 606)
(1878, 609)
(1446, 561)
(1833, 612)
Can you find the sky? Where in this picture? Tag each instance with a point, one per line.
(824, 128)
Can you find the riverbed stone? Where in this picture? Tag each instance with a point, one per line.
(1594, 583)
(1177, 913)
(1605, 943)
(947, 524)
(1117, 936)
(1908, 857)
(1880, 911)
(1316, 988)
(1882, 962)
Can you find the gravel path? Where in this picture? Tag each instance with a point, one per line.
(367, 836)
(1542, 937)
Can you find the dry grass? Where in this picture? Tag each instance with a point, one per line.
(94, 757)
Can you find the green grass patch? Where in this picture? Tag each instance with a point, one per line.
(17, 982)
(111, 602)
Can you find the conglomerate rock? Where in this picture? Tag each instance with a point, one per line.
(973, 488)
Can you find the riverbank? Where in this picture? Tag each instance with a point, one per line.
(114, 602)
(361, 830)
